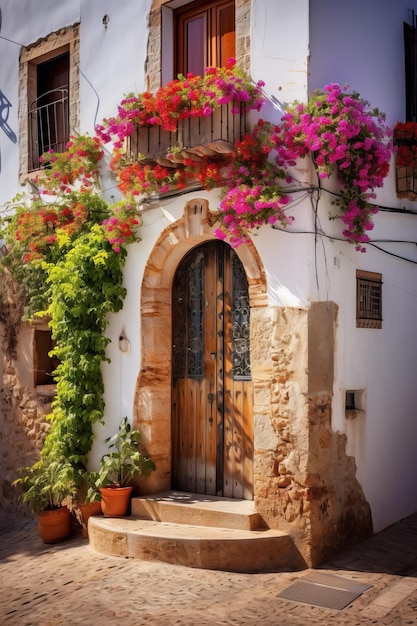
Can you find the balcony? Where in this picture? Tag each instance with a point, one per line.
(48, 121)
(195, 138)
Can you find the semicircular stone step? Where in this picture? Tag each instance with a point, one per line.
(203, 547)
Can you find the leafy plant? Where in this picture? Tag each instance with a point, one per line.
(87, 491)
(47, 485)
(126, 459)
(84, 286)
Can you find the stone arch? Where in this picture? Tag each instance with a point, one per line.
(152, 406)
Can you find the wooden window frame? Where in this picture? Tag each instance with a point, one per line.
(210, 11)
(368, 299)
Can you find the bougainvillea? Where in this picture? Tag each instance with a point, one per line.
(252, 193)
(344, 135)
(337, 128)
(78, 164)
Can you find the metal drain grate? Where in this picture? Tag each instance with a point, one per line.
(325, 590)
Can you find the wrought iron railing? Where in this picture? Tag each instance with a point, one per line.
(48, 125)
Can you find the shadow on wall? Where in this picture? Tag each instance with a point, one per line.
(5, 106)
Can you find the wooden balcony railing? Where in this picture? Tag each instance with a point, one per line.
(198, 136)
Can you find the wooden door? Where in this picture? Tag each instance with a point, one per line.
(212, 425)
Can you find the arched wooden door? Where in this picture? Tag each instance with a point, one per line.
(212, 414)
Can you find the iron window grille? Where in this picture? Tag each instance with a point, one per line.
(368, 299)
(48, 125)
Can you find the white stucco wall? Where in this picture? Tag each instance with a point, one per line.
(361, 44)
(23, 22)
(364, 48)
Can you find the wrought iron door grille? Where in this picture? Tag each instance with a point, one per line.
(241, 323)
(368, 299)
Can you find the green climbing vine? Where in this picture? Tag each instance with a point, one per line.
(66, 251)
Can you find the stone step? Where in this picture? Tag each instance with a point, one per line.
(181, 507)
(203, 547)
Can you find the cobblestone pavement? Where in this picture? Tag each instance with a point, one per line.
(68, 583)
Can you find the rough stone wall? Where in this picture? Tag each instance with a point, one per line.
(305, 483)
(22, 414)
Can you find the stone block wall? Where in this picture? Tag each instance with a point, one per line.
(22, 414)
(305, 483)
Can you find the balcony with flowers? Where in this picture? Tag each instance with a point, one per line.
(185, 133)
(405, 140)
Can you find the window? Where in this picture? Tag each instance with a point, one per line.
(49, 112)
(44, 365)
(49, 97)
(410, 54)
(354, 402)
(204, 35)
(368, 299)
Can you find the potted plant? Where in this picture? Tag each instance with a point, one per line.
(118, 467)
(88, 500)
(49, 488)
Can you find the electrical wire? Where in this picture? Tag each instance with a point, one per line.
(341, 239)
(95, 92)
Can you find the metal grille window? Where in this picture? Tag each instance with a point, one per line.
(368, 299)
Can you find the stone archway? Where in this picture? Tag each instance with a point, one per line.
(152, 408)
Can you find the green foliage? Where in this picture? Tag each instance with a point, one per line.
(126, 461)
(84, 286)
(88, 492)
(66, 250)
(47, 485)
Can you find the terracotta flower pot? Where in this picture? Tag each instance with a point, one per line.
(115, 500)
(55, 525)
(86, 510)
